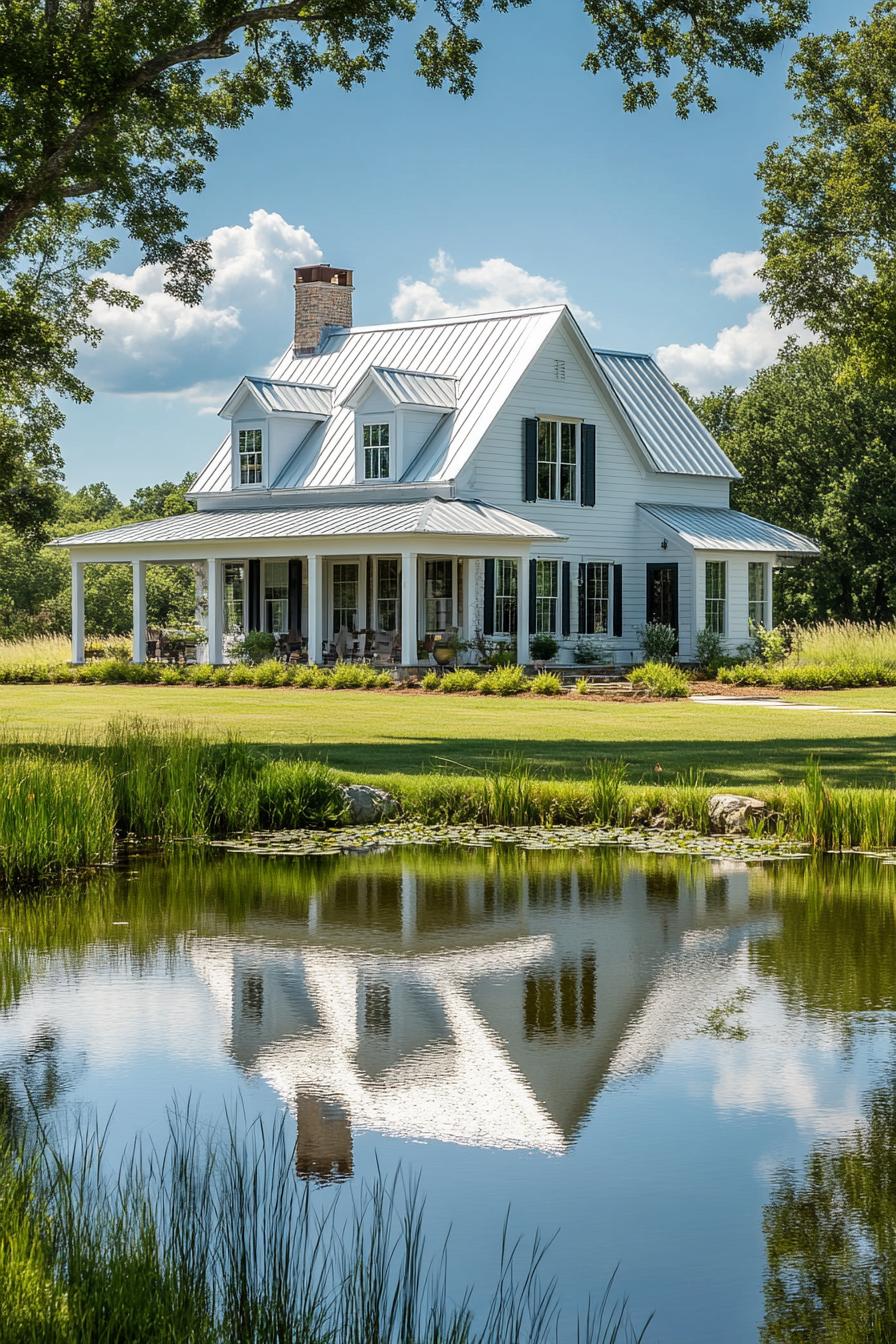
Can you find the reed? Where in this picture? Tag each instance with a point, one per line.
(213, 1240)
(610, 801)
(55, 815)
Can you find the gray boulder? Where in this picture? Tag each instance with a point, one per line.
(732, 813)
(367, 805)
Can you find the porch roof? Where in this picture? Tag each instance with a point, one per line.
(720, 529)
(429, 517)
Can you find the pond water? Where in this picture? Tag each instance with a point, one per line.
(640, 1054)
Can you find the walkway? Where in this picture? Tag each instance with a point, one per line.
(761, 701)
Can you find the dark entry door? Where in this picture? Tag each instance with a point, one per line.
(662, 595)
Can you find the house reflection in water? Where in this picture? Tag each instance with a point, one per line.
(473, 1007)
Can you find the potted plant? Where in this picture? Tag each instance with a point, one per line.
(543, 648)
(444, 649)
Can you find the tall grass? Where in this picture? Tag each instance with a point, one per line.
(215, 1241)
(54, 815)
(844, 642)
(39, 649)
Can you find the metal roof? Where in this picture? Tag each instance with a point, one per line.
(440, 517)
(715, 529)
(484, 355)
(419, 389)
(672, 436)
(275, 394)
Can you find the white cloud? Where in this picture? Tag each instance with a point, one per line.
(738, 351)
(165, 346)
(736, 274)
(491, 286)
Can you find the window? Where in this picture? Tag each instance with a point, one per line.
(249, 442)
(556, 462)
(716, 594)
(438, 595)
(546, 590)
(757, 583)
(345, 597)
(234, 598)
(596, 599)
(375, 439)
(276, 596)
(505, 597)
(387, 595)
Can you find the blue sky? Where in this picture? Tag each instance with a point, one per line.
(537, 188)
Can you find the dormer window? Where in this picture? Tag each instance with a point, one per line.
(375, 441)
(251, 458)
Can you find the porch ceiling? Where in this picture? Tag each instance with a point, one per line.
(436, 517)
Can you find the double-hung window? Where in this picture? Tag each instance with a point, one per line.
(345, 596)
(375, 442)
(505, 597)
(251, 457)
(438, 595)
(757, 584)
(595, 598)
(234, 597)
(716, 596)
(387, 594)
(556, 461)
(276, 596)
(547, 590)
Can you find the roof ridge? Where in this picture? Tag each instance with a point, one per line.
(623, 354)
(448, 319)
(414, 373)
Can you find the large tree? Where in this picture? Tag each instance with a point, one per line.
(817, 451)
(830, 196)
(109, 113)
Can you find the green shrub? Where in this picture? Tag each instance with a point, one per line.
(269, 673)
(583, 685)
(199, 674)
(504, 681)
(805, 677)
(385, 681)
(660, 679)
(747, 674)
(543, 648)
(589, 651)
(772, 646)
(240, 674)
(171, 676)
(302, 676)
(352, 677)
(659, 642)
(298, 793)
(109, 671)
(256, 646)
(709, 651)
(431, 681)
(462, 680)
(546, 683)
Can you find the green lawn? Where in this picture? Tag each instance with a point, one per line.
(372, 733)
(870, 697)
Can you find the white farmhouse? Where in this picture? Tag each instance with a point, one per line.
(490, 474)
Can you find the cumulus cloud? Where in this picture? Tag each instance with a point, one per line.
(736, 275)
(739, 350)
(167, 347)
(491, 286)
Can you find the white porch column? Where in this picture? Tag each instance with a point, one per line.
(214, 620)
(315, 607)
(409, 608)
(523, 655)
(471, 569)
(138, 612)
(77, 610)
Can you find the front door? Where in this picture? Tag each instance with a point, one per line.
(662, 595)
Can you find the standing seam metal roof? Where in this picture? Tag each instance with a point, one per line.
(715, 529)
(673, 437)
(440, 517)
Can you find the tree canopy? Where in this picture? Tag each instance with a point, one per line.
(829, 205)
(818, 453)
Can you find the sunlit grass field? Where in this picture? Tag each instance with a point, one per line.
(373, 733)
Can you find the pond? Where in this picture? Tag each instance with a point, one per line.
(637, 1053)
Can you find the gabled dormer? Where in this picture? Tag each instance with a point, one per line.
(396, 413)
(270, 420)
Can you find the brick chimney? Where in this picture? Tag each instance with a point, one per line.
(323, 299)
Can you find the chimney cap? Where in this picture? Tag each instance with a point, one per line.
(323, 275)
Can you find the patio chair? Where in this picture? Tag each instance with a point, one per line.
(343, 643)
(384, 647)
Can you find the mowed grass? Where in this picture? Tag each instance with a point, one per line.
(372, 733)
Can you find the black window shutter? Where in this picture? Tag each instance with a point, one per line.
(488, 599)
(564, 600)
(254, 594)
(589, 466)
(295, 596)
(583, 605)
(530, 461)
(533, 569)
(617, 600)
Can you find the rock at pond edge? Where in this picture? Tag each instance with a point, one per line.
(366, 804)
(732, 813)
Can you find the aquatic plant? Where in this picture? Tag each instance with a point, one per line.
(213, 1240)
(54, 815)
